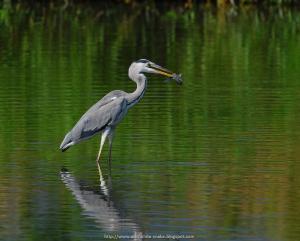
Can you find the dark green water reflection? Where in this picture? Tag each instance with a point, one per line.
(217, 158)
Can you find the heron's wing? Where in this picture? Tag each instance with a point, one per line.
(102, 113)
(98, 117)
(104, 101)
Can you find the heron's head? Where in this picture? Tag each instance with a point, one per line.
(144, 66)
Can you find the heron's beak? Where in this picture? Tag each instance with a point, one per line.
(160, 70)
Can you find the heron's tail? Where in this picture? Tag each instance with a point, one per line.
(66, 143)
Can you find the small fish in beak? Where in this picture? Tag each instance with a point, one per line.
(165, 72)
(175, 77)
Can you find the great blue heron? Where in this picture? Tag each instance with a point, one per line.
(105, 115)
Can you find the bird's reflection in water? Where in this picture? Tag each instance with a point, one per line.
(97, 203)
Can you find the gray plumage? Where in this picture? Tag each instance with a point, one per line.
(106, 112)
(110, 110)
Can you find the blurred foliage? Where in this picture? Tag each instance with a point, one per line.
(151, 4)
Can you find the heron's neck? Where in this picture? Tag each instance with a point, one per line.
(141, 85)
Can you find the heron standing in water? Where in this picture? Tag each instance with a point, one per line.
(107, 113)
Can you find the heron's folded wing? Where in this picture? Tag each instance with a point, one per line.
(97, 119)
(108, 98)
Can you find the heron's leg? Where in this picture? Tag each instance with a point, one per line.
(103, 138)
(110, 138)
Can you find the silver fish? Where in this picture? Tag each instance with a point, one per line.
(176, 77)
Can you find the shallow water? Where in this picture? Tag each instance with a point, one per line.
(216, 158)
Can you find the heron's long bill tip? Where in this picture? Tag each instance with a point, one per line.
(165, 73)
(161, 70)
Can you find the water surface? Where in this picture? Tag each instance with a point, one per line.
(216, 158)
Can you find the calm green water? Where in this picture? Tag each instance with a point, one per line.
(216, 158)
